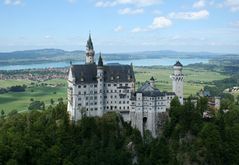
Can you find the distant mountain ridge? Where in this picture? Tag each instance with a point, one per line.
(54, 55)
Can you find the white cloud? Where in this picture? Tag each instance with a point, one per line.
(232, 4)
(190, 15)
(48, 37)
(108, 3)
(138, 29)
(199, 4)
(105, 3)
(160, 22)
(12, 2)
(139, 2)
(119, 29)
(130, 11)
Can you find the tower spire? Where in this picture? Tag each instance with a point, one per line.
(89, 44)
(100, 62)
(90, 53)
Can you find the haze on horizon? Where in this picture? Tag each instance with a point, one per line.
(121, 25)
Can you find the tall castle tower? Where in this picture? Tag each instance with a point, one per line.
(90, 53)
(177, 78)
(100, 86)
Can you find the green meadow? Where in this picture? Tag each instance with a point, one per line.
(20, 100)
(194, 81)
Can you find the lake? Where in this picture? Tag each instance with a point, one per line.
(137, 62)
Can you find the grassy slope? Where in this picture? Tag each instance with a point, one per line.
(20, 101)
(9, 83)
(164, 82)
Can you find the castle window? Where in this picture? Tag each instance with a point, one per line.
(109, 85)
(115, 85)
(86, 98)
(119, 107)
(95, 85)
(95, 97)
(126, 85)
(86, 103)
(79, 98)
(79, 93)
(120, 85)
(96, 109)
(95, 103)
(79, 104)
(79, 86)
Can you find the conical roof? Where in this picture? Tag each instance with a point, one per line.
(100, 62)
(178, 64)
(89, 44)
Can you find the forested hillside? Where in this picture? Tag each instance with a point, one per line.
(48, 137)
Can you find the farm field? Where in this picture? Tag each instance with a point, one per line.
(20, 100)
(194, 79)
(56, 88)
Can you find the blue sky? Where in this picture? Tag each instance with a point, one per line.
(120, 25)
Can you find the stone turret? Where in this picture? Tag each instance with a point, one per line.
(100, 87)
(152, 82)
(177, 78)
(90, 53)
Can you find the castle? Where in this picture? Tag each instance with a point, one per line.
(94, 89)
